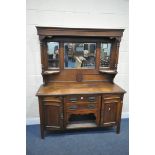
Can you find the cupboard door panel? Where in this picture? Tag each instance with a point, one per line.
(110, 110)
(53, 115)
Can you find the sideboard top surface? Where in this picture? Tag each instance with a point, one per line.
(63, 88)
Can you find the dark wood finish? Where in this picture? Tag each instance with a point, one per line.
(79, 98)
(47, 34)
(109, 110)
(63, 88)
(86, 32)
(82, 104)
(53, 115)
(41, 112)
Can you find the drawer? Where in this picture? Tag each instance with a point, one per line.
(88, 106)
(56, 99)
(111, 97)
(81, 98)
(79, 103)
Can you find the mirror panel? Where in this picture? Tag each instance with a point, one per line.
(53, 54)
(105, 54)
(79, 55)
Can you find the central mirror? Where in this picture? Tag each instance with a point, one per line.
(79, 55)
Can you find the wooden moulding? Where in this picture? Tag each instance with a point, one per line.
(50, 72)
(86, 32)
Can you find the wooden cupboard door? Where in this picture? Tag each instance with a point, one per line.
(53, 115)
(110, 111)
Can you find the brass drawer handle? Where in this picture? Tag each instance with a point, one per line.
(73, 107)
(91, 99)
(91, 106)
(73, 99)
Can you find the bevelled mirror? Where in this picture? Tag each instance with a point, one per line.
(105, 55)
(53, 54)
(79, 55)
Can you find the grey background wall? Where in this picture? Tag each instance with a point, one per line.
(69, 13)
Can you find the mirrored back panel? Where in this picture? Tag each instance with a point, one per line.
(53, 54)
(105, 55)
(79, 55)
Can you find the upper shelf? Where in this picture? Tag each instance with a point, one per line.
(50, 72)
(108, 71)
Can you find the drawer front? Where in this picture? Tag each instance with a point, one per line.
(56, 99)
(81, 102)
(81, 98)
(81, 106)
(112, 97)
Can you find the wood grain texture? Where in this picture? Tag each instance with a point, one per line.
(59, 88)
(79, 98)
(59, 31)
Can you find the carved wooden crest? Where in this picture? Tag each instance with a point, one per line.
(79, 77)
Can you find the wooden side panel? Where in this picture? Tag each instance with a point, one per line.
(98, 115)
(41, 113)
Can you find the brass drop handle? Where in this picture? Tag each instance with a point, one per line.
(109, 108)
(91, 106)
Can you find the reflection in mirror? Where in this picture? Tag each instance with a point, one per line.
(53, 54)
(105, 54)
(79, 55)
